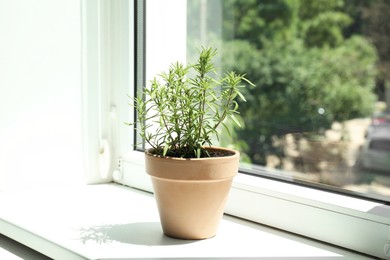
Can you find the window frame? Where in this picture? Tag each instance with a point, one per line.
(355, 223)
(107, 73)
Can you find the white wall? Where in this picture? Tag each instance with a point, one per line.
(40, 70)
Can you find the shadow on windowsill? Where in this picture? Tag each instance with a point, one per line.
(140, 233)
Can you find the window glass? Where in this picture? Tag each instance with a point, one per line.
(319, 113)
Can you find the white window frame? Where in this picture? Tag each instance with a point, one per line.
(107, 77)
(354, 223)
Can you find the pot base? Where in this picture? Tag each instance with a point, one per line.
(191, 209)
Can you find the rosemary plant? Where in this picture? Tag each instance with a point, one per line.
(179, 116)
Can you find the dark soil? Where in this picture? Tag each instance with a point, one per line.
(220, 153)
(205, 153)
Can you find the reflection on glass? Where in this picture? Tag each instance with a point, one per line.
(320, 110)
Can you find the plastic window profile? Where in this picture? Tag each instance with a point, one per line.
(107, 74)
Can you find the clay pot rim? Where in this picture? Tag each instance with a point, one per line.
(215, 148)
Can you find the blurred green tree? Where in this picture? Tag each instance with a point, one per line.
(307, 73)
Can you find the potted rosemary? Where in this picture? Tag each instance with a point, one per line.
(178, 118)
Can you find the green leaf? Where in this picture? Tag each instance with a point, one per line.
(241, 96)
(235, 120)
(226, 128)
(235, 105)
(248, 81)
(165, 149)
(198, 152)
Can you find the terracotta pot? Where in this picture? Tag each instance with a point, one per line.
(191, 193)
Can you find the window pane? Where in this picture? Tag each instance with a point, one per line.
(319, 113)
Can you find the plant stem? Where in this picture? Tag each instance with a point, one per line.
(225, 111)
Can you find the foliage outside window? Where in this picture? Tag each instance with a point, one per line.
(318, 67)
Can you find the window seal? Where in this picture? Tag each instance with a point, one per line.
(319, 186)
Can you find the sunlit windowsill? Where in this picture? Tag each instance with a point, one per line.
(354, 223)
(110, 221)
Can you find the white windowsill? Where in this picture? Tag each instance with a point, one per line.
(110, 221)
(353, 223)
